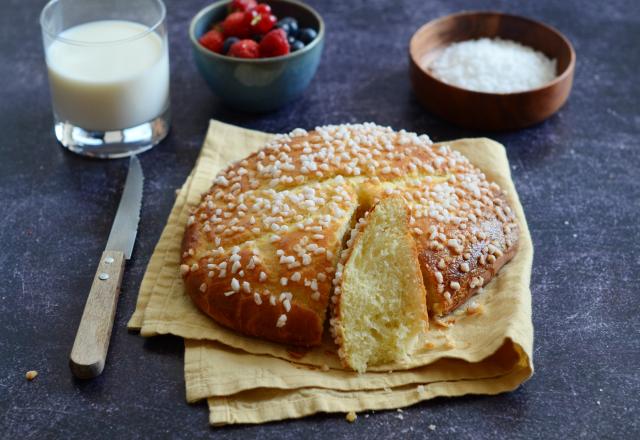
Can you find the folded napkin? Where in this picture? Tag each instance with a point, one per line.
(485, 348)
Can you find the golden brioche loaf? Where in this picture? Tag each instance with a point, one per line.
(261, 249)
(379, 309)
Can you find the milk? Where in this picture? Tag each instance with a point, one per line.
(114, 81)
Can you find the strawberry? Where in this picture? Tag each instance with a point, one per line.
(213, 40)
(274, 44)
(234, 25)
(244, 49)
(242, 5)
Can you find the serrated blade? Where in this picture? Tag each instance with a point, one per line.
(125, 225)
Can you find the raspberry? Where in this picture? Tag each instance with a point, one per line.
(242, 5)
(263, 8)
(260, 20)
(274, 44)
(213, 40)
(244, 49)
(235, 26)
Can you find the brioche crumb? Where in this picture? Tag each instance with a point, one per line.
(441, 323)
(444, 322)
(382, 311)
(351, 416)
(432, 427)
(477, 310)
(31, 374)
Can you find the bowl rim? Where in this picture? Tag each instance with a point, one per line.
(288, 56)
(568, 71)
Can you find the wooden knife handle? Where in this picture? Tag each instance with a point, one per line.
(89, 351)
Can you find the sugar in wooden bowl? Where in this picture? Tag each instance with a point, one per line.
(493, 66)
(491, 71)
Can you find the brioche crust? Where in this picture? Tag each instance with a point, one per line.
(261, 249)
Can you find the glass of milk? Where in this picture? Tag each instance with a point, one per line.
(108, 65)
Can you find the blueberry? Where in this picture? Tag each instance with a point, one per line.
(296, 45)
(306, 35)
(291, 40)
(289, 25)
(227, 44)
(284, 26)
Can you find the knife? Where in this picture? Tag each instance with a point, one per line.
(89, 351)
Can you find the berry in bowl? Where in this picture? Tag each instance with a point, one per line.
(255, 56)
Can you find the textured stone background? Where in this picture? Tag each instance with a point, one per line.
(577, 174)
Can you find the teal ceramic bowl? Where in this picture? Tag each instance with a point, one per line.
(263, 84)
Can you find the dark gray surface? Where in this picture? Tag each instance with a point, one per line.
(577, 174)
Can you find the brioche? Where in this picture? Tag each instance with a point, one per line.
(260, 250)
(379, 306)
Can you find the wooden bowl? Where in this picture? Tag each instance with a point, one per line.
(489, 111)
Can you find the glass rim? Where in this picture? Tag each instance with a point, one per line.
(56, 36)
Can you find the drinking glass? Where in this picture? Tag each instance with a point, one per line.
(108, 66)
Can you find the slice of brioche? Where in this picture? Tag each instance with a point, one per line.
(379, 303)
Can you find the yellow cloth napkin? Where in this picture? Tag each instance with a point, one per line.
(487, 350)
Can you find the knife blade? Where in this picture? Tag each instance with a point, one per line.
(125, 225)
(89, 352)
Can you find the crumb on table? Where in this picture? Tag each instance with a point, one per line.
(351, 416)
(31, 374)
